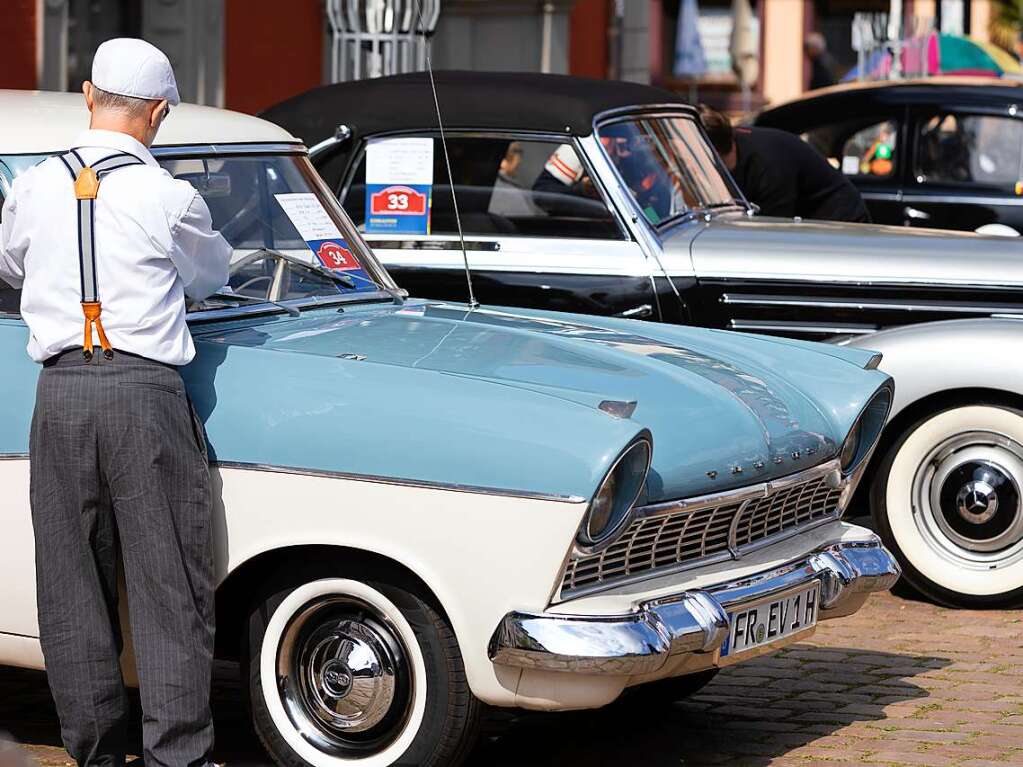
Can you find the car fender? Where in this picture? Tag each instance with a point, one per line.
(936, 357)
(481, 555)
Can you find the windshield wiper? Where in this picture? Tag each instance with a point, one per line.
(229, 296)
(330, 274)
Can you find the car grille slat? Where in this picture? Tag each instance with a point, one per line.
(688, 536)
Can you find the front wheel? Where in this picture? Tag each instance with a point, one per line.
(342, 672)
(948, 501)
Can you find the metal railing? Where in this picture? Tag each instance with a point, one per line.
(375, 38)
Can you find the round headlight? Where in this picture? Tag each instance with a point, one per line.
(851, 448)
(610, 507)
(864, 434)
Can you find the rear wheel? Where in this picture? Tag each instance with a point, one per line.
(344, 672)
(948, 501)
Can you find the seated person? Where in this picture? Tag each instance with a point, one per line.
(563, 181)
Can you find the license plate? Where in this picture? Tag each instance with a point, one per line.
(769, 621)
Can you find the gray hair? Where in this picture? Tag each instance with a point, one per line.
(129, 106)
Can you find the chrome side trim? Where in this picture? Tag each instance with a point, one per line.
(420, 483)
(690, 622)
(961, 200)
(956, 307)
(13, 456)
(719, 278)
(833, 328)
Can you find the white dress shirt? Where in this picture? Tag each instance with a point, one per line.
(154, 245)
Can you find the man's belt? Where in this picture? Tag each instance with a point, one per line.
(87, 179)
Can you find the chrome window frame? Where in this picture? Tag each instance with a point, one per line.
(649, 111)
(514, 135)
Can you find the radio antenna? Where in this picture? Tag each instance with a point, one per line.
(428, 43)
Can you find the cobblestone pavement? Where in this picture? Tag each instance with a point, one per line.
(901, 683)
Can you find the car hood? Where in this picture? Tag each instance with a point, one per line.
(724, 409)
(840, 252)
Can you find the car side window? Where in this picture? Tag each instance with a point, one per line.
(864, 147)
(506, 186)
(956, 148)
(10, 300)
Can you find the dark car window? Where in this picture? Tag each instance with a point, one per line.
(10, 300)
(506, 186)
(956, 148)
(864, 147)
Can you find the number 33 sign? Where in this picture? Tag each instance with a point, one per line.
(399, 183)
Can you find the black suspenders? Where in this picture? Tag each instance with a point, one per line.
(86, 179)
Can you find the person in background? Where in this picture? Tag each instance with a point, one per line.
(822, 66)
(782, 174)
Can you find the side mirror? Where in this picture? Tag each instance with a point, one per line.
(209, 185)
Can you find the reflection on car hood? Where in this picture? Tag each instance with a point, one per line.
(724, 409)
(738, 246)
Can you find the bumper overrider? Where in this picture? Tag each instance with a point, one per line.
(694, 622)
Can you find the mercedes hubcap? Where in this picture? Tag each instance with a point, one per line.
(967, 499)
(344, 677)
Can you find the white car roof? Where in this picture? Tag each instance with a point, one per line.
(37, 122)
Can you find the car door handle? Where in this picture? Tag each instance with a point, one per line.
(639, 312)
(915, 215)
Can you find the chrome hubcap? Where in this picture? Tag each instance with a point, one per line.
(344, 677)
(967, 499)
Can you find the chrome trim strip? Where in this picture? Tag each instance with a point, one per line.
(13, 456)
(741, 299)
(279, 147)
(932, 199)
(801, 327)
(690, 622)
(420, 483)
(892, 282)
(732, 497)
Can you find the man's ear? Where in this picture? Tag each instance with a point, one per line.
(157, 114)
(87, 90)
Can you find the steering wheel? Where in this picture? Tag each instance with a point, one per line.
(254, 280)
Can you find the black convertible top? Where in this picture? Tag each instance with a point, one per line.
(481, 100)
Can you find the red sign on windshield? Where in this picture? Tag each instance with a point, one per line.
(398, 201)
(335, 256)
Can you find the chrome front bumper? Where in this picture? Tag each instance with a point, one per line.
(696, 622)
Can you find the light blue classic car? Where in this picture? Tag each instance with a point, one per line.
(421, 507)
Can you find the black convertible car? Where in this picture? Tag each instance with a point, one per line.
(943, 152)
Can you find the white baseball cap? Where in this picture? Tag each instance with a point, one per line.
(131, 67)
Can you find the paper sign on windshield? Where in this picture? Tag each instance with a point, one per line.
(399, 185)
(322, 236)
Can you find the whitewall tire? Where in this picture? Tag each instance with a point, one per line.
(343, 672)
(948, 500)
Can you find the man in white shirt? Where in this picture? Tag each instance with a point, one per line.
(118, 456)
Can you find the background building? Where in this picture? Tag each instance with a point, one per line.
(248, 54)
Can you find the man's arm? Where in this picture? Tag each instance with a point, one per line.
(12, 245)
(200, 254)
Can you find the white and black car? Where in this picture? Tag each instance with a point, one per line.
(606, 198)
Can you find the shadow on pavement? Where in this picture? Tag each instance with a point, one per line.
(750, 714)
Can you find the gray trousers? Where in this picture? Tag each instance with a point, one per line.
(118, 465)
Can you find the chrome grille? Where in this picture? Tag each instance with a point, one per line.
(684, 534)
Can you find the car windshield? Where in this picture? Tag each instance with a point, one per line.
(290, 239)
(667, 165)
